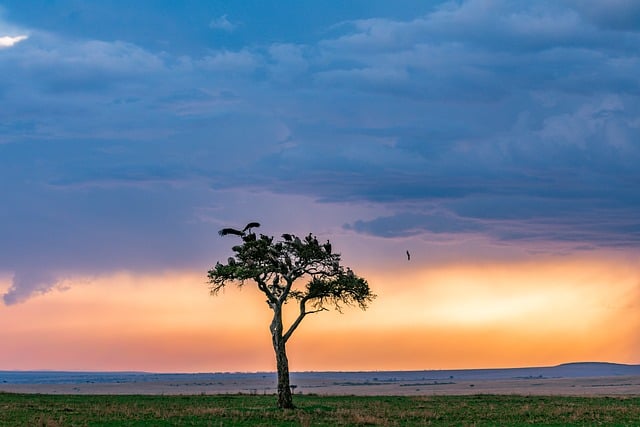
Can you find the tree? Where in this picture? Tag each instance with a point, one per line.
(274, 266)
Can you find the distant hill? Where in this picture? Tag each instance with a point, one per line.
(594, 369)
(565, 370)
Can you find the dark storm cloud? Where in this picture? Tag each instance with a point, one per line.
(617, 15)
(518, 121)
(408, 224)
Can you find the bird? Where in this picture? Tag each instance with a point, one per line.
(249, 237)
(249, 226)
(227, 231)
(408, 256)
(245, 231)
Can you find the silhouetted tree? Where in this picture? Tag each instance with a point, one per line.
(274, 266)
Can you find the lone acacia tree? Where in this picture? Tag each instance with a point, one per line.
(275, 266)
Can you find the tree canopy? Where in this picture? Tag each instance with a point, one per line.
(275, 266)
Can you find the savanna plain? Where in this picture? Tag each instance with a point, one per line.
(18, 409)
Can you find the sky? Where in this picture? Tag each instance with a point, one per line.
(498, 141)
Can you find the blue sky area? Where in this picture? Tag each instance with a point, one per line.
(131, 131)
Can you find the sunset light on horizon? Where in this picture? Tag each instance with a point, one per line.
(449, 317)
(495, 142)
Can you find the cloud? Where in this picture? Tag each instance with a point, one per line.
(618, 15)
(236, 62)
(9, 41)
(28, 282)
(10, 34)
(407, 224)
(223, 24)
(513, 121)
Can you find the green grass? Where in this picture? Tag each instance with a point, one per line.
(255, 410)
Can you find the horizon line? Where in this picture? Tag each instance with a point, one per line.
(313, 371)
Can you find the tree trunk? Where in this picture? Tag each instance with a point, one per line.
(285, 400)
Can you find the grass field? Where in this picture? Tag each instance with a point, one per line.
(257, 410)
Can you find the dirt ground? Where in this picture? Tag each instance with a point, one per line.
(592, 386)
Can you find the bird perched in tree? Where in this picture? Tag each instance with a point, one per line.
(408, 256)
(249, 237)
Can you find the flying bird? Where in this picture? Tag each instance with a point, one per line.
(246, 230)
(251, 225)
(227, 231)
(408, 256)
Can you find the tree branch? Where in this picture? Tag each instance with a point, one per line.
(262, 285)
(303, 313)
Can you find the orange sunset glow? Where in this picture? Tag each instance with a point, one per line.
(453, 316)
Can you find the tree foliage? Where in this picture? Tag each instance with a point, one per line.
(275, 265)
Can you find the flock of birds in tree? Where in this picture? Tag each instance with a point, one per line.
(248, 235)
